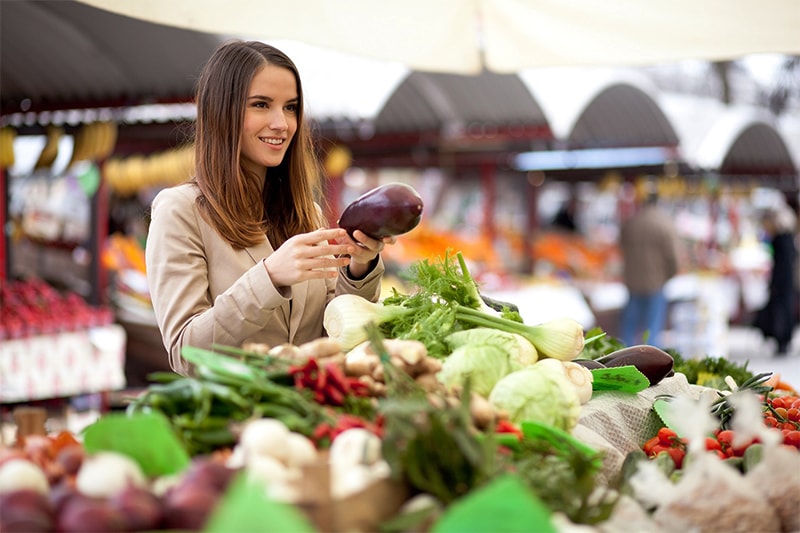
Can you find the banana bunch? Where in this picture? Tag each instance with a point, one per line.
(94, 142)
(49, 153)
(7, 136)
(128, 176)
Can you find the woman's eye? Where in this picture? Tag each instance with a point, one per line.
(292, 108)
(259, 104)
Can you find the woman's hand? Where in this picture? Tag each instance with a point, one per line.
(310, 256)
(366, 250)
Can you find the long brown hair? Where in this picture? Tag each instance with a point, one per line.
(243, 207)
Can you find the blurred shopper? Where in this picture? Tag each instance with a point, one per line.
(778, 318)
(241, 253)
(650, 258)
(565, 217)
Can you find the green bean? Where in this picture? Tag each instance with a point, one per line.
(215, 437)
(163, 377)
(187, 421)
(228, 395)
(221, 365)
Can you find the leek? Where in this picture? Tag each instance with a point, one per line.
(347, 315)
(447, 299)
(560, 339)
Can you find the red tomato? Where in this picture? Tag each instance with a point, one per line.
(658, 448)
(712, 444)
(793, 438)
(677, 456)
(725, 438)
(649, 445)
(666, 436)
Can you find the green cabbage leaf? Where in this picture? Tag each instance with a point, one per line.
(538, 393)
(483, 364)
(521, 352)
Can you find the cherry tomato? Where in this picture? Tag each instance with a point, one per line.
(677, 456)
(713, 444)
(725, 437)
(666, 436)
(649, 445)
(793, 438)
(658, 448)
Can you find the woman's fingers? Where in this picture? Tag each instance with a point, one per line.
(319, 243)
(314, 255)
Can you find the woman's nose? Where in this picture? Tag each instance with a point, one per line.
(278, 121)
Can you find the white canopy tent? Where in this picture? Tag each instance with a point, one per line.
(466, 36)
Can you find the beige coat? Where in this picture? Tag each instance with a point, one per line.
(206, 292)
(649, 246)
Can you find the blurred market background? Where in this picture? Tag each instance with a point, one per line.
(570, 106)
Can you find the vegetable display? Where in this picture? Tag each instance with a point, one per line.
(435, 410)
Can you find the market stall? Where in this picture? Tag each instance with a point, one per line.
(372, 428)
(529, 417)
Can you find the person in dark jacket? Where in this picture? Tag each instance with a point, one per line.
(778, 318)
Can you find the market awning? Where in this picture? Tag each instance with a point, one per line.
(467, 36)
(67, 55)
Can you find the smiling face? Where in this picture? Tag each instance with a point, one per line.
(270, 118)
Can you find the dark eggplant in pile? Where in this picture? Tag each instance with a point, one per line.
(651, 361)
(385, 211)
(590, 364)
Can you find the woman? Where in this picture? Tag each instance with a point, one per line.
(241, 252)
(777, 319)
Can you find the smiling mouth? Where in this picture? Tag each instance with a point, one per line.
(271, 141)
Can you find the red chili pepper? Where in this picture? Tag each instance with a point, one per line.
(358, 388)
(337, 378)
(335, 396)
(323, 429)
(321, 380)
(506, 426)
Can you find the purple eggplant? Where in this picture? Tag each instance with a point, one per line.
(385, 211)
(651, 361)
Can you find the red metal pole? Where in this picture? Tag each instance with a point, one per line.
(4, 257)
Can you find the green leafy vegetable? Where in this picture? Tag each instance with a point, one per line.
(244, 506)
(599, 344)
(226, 389)
(446, 299)
(505, 505)
(562, 471)
(538, 393)
(483, 364)
(148, 439)
(710, 371)
(520, 351)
